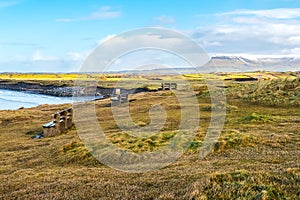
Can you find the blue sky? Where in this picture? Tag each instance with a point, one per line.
(58, 35)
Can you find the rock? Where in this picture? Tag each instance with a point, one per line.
(39, 136)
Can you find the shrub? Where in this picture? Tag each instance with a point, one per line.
(277, 92)
(254, 117)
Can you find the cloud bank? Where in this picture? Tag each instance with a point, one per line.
(105, 12)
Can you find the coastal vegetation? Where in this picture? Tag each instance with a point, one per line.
(117, 77)
(256, 156)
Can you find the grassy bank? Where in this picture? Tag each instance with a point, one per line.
(256, 156)
(107, 80)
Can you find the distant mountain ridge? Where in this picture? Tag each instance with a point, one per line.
(231, 64)
(242, 64)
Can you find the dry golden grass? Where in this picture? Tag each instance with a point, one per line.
(253, 159)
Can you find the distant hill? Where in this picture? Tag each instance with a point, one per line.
(242, 64)
(232, 64)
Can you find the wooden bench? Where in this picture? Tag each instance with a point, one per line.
(62, 121)
(168, 86)
(119, 99)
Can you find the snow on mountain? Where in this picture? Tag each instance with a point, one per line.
(251, 63)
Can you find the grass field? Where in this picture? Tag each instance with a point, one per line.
(256, 156)
(117, 77)
(152, 82)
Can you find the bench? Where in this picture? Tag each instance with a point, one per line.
(168, 86)
(62, 121)
(119, 99)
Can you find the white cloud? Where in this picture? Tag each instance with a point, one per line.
(212, 44)
(105, 39)
(38, 56)
(4, 4)
(160, 41)
(246, 20)
(65, 20)
(16, 44)
(279, 13)
(39, 62)
(78, 56)
(165, 20)
(268, 32)
(105, 12)
(293, 51)
(294, 39)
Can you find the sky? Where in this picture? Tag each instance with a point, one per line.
(52, 36)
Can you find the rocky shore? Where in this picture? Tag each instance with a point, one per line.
(63, 91)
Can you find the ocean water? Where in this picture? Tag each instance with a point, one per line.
(11, 100)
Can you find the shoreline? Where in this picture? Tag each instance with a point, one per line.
(51, 90)
(63, 90)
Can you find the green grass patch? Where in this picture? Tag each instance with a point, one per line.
(254, 117)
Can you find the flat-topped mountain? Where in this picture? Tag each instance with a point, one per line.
(229, 64)
(241, 64)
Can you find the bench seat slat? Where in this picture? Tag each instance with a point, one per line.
(49, 125)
